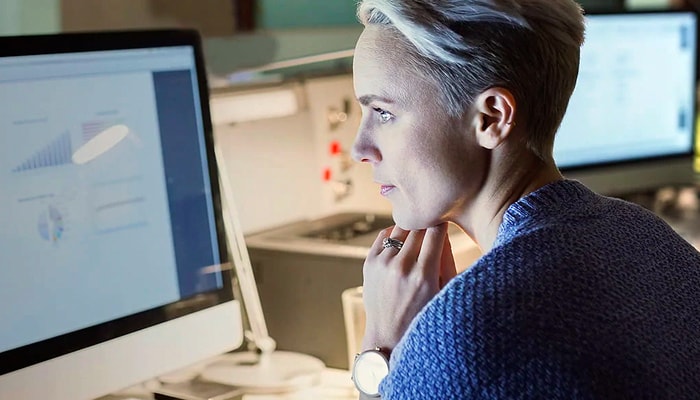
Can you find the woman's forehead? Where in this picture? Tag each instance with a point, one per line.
(382, 42)
(380, 66)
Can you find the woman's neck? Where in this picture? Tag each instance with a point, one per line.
(509, 179)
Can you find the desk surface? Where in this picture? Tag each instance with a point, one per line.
(335, 385)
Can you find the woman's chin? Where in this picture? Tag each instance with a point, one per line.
(411, 223)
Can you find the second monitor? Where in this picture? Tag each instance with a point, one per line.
(630, 123)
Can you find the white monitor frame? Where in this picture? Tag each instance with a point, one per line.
(100, 359)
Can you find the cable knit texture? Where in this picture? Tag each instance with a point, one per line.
(582, 297)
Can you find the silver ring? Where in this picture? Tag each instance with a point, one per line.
(391, 242)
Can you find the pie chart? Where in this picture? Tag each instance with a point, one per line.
(50, 224)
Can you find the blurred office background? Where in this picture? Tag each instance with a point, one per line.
(265, 31)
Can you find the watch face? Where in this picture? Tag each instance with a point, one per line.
(368, 371)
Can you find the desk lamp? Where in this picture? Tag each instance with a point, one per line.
(266, 370)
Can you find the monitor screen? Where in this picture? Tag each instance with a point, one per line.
(111, 221)
(634, 102)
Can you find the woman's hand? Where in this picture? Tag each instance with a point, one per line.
(399, 283)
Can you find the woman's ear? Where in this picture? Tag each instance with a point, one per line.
(494, 117)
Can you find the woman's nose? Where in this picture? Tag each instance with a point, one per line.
(364, 150)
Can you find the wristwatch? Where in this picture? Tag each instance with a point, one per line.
(368, 370)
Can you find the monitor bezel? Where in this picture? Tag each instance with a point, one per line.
(81, 42)
(606, 167)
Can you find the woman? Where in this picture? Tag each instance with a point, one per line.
(577, 295)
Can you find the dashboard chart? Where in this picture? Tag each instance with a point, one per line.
(50, 225)
(57, 152)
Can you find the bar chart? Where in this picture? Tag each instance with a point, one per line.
(92, 128)
(56, 153)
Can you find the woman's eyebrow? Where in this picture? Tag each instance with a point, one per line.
(369, 98)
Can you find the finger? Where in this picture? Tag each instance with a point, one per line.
(399, 233)
(412, 246)
(448, 269)
(431, 251)
(377, 245)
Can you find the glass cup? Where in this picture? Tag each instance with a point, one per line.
(354, 314)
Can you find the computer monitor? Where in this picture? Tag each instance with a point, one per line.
(631, 120)
(112, 252)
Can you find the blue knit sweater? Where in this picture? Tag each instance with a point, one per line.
(582, 297)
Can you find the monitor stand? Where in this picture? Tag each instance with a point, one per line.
(266, 372)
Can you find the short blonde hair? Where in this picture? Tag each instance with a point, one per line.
(531, 47)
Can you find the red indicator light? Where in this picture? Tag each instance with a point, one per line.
(335, 148)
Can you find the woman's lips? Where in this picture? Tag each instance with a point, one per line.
(385, 189)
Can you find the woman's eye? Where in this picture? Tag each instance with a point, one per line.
(383, 115)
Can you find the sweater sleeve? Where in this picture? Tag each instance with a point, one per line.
(425, 363)
(434, 359)
(472, 342)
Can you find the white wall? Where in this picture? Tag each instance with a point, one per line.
(276, 165)
(271, 170)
